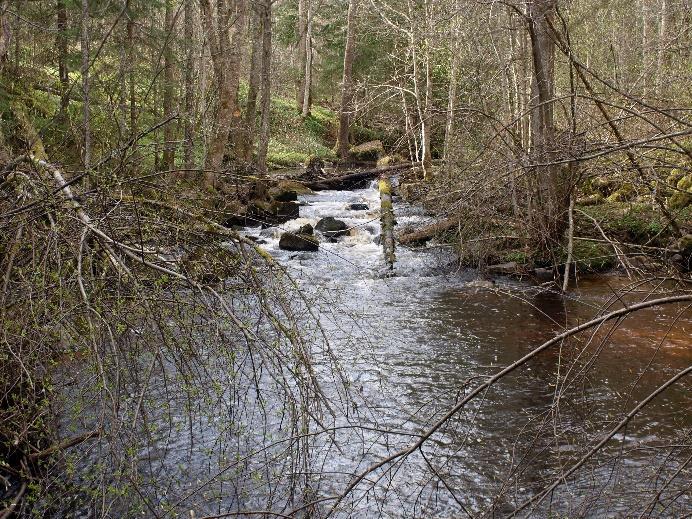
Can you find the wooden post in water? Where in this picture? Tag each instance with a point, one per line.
(387, 220)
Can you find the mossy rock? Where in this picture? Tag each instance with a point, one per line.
(295, 186)
(593, 199)
(675, 176)
(298, 242)
(371, 150)
(682, 197)
(684, 245)
(603, 185)
(625, 193)
(283, 194)
(390, 160)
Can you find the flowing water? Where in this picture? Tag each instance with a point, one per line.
(412, 343)
(409, 346)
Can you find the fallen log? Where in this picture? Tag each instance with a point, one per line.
(356, 179)
(426, 233)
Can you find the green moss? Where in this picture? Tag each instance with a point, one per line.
(517, 256)
(592, 256)
(635, 223)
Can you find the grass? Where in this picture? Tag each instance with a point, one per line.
(631, 222)
(294, 139)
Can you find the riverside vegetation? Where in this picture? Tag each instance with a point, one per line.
(173, 173)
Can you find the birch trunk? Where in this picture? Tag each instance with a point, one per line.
(301, 49)
(253, 88)
(307, 78)
(265, 108)
(342, 142)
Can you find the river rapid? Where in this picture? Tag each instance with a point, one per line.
(407, 347)
(413, 343)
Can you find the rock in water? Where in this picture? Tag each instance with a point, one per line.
(504, 269)
(357, 206)
(331, 227)
(298, 242)
(306, 229)
(281, 194)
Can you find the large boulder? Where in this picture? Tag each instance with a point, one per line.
(298, 242)
(504, 269)
(331, 227)
(682, 195)
(268, 213)
(371, 150)
(390, 160)
(282, 194)
(294, 185)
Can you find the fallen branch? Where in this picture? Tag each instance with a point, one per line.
(353, 179)
(65, 444)
(428, 232)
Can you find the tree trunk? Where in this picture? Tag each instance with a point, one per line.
(253, 87)
(61, 47)
(265, 107)
(132, 81)
(660, 51)
(168, 90)
(387, 220)
(86, 115)
(188, 145)
(5, 33)
(301, 51)
(549, 186)
(226, 54)
(342, 142)
(426, 123)
(453, 85)
(307, 80)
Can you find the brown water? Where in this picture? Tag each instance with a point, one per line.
(413, 343)
(410, 346)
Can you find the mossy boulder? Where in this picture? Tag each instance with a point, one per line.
(684, 245)
(605, 186)
(675, 176)
(298, 242)
(294, 185)
(593, 199)
(273, 212)
(682, 197)
(367, 151)
(390, 160)
(306, 229)
(282, 194)
(624, 193)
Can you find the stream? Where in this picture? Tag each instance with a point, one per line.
(408, 346)
(413, 342)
